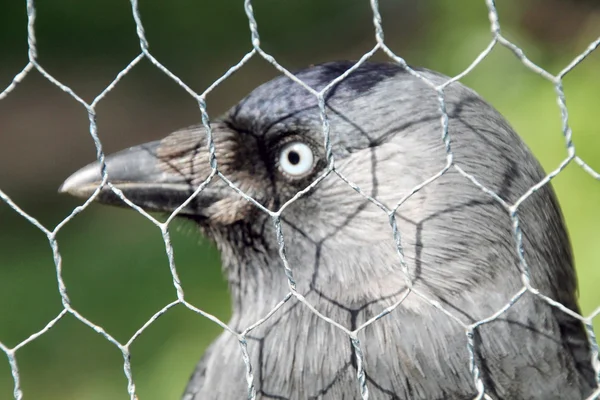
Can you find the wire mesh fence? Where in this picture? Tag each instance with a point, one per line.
(512, 209)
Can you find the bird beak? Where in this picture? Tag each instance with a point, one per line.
(147, 177)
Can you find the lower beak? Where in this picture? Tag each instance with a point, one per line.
(148, 175)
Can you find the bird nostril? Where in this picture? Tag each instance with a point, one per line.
(293, 157)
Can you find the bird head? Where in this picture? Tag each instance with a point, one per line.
(386, 139)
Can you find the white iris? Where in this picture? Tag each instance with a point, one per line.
(296, 159)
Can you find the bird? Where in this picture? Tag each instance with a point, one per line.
(456, 242)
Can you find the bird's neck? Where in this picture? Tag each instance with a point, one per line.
(356, 289)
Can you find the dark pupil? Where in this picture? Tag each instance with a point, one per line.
(293, 157)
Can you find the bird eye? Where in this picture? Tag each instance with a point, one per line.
(296, 159)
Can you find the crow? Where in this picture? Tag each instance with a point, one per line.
(456, 243)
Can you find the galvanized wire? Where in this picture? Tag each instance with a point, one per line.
(497, 39)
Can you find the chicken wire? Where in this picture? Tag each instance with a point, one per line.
(497, 39)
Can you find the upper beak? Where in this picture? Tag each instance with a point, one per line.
(156, 176)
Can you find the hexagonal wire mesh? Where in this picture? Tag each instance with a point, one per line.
(497, 39)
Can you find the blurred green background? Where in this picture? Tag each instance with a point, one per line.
(114, 261)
